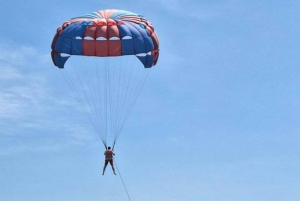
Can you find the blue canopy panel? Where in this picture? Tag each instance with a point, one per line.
(137, 39)
(60, 61)
(123, 29)
(73, 34)
(77, 35)
(127, 47)
(146, 60)
(149, 46)
(69, 42)
(126, 43)
(65, 40)
(141, 42)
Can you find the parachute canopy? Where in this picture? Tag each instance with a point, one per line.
(105, 84)
(106, 33)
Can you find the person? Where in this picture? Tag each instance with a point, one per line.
(109, 159)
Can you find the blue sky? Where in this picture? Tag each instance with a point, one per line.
(217, 120)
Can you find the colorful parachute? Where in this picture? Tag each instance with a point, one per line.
(103, 72)
(106, 33)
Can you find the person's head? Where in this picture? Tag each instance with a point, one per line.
(109, 148)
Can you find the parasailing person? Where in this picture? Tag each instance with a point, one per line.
(109, 154)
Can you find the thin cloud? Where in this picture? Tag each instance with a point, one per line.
(172, 139)
(189, 8)
(20, 94)
(17, 56)
(8, 73)
(24, 90)
(201, 11)
(29, 108)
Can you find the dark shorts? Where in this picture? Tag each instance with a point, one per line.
(109, 161)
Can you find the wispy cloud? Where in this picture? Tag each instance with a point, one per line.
(194, 9)
(8, 73)
(16, 55)
(19, 94)
(24, 90)
(203, 11)
(28, 105)
(172, 139)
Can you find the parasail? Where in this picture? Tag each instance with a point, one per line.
(112, 52)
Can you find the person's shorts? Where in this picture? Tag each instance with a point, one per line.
(109, 161)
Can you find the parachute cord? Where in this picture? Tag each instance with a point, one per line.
(106, 98)
(110, 91)
(122, 123)
(114, 145)
(71, 85)
(122, 180)
(104, 145)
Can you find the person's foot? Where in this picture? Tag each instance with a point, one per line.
(103, 174)
(115, 173)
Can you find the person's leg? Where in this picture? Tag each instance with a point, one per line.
(105, 164)
(112, 166)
